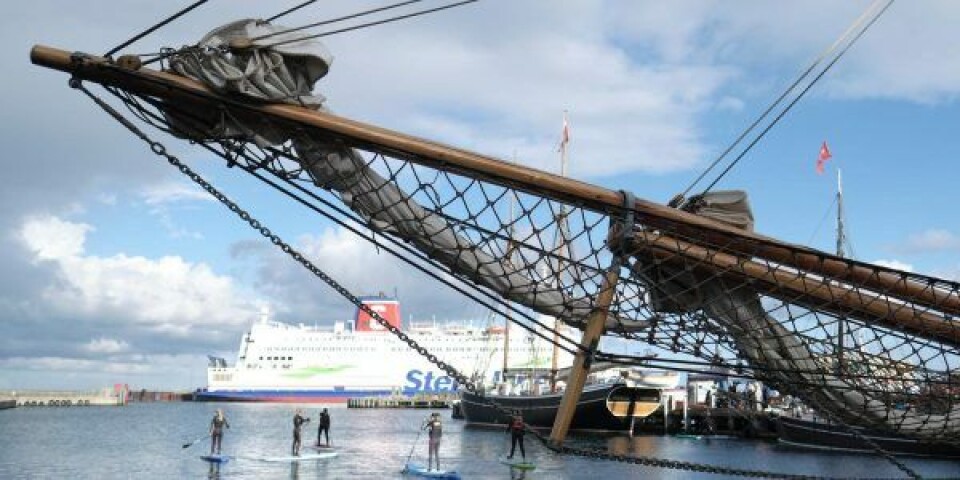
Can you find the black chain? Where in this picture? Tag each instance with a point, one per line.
(160, 150)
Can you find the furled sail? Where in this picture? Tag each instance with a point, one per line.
(286, 75)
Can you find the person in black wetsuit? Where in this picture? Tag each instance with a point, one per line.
(434, 431)
(216, 431)
(298, 421)
(516, 435)
(323, 427)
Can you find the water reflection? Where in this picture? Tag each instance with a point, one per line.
(214, 472)
(106, 443)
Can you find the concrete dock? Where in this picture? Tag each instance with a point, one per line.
(53, 398)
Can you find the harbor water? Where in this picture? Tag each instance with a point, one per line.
(146, 441)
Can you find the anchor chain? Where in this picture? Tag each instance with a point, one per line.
(160, 150)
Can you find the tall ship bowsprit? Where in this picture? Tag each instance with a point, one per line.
(279, 362)
(692, 278)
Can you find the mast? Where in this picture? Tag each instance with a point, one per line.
(506, 313)
(841, 237)
(562, 244)
(841, 320)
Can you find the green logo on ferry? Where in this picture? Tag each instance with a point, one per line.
(307, 372)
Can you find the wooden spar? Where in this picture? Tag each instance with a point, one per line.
(588, 344)
(802, 288)
(435, 155)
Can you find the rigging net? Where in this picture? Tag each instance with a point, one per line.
(704, 287)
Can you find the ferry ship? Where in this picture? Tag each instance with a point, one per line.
(279, 362)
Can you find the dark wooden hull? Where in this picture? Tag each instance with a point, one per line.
(821, 436)
(539, 411)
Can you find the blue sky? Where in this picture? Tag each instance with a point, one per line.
(99, 234)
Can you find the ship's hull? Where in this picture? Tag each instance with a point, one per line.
(820, 436)
(280, 362)
(287, 396)
(592, 412)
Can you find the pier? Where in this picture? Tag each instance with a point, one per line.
(54, 398)
(425, 402)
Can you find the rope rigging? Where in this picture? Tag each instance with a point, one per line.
(291, 10)
(161, 151)
(253, 165)
(152, 29)
(712, 296)
(371, 24)
(327, 22)
(842, 39)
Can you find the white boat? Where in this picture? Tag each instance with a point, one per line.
(279, 362)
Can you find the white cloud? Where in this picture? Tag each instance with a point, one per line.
(107, 198)
(932, 240)
(360, 268)
(50, 238)
(895, 264)
(167, 295)
(106, 345)
(158, 371)
(171, 192)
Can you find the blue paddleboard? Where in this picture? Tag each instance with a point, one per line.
(215, 458)
(421, 471)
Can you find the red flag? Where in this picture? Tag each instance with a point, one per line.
(822, 159)
(565, 134)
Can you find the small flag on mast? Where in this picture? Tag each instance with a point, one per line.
(824, 156)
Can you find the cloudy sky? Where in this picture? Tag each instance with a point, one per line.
(115, 270)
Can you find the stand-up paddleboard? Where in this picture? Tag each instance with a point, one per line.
(299, 458)
(424, 472)
(321, 448)
(215, 458)
(687, 436)
(519, 464)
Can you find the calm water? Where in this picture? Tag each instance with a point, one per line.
(145, 441)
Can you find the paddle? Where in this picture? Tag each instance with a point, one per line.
(414, 446)
(188, 445)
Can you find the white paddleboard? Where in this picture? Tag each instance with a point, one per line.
(421, 471)
(299, 458)
(517, 463)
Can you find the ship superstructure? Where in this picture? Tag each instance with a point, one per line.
(280, 362)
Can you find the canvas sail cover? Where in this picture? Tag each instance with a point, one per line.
(286, 75)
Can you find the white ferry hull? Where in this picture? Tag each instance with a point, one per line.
(284, 363)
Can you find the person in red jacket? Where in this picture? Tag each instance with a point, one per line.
(516, 430)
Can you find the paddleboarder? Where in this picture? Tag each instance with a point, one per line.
(216, 431)
(323, 427)
(298, 421)
(515, 428)
(434, 429)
